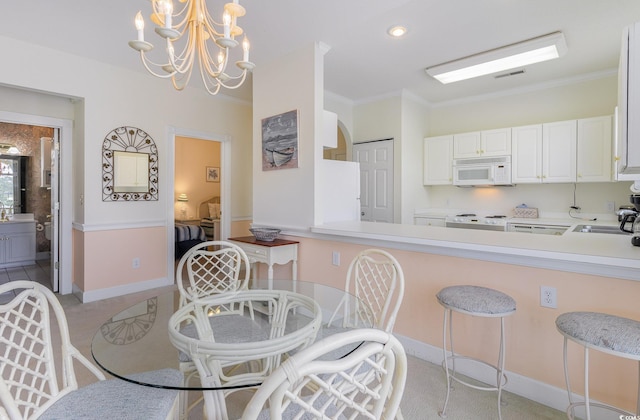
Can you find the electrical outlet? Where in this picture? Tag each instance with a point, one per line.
(548, 297)
(335, 258)
(611, 206)
(135, 263)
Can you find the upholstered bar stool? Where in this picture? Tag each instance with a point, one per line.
(606, 333)
(475, 301)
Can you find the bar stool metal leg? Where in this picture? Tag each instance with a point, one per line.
(447, 314)
(481, 302)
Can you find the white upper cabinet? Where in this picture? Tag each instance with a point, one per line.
(526, 161)
(437, 160)
(559, 144)
(466, 145)
(482, 143)
(496, 142)
(544, 153)
(594, 150)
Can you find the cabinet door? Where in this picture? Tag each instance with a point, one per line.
(496, 142)
(526, 160)
(559, 151)
(20, 247)
(438, 152)
(466, 145)
(429, 221)
(594, 150)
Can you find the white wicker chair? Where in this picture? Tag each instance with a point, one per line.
(376, 279)
(29, 384)
(212, 267)
(308, 383)
(290, 323)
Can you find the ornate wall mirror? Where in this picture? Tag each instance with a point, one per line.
(129, 166)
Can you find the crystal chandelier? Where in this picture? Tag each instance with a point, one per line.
(197, 35)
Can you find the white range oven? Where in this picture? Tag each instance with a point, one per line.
(472, 221)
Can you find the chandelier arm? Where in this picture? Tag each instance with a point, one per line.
(182, 63)
(237, 85)
(146, 62)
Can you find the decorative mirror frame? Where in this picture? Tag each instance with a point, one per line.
(134, 140)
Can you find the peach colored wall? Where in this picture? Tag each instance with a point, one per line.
(192, 158)
(148, 244)
(77, 246)
(240, 228)
(534, 347)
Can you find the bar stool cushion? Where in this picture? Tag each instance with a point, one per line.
(606, 331)
(477, 300)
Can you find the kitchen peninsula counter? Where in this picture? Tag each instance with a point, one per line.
(605, 255)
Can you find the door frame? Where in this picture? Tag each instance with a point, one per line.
(65, 192)
(225, 185)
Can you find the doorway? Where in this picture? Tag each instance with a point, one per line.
(61, 190)
(376, 179)
(207, 185)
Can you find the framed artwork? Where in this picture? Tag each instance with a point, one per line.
(213, 174)
(280, 141)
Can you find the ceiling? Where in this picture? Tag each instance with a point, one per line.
(363, 62)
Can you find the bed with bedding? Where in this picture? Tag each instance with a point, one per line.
(189, 235)
(209, 214)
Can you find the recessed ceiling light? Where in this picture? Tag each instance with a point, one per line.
(397, 31)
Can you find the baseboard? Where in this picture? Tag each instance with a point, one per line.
(523, 386)
(93, 295)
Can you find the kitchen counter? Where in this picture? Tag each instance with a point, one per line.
(590, 253)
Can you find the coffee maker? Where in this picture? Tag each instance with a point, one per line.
(634, 219)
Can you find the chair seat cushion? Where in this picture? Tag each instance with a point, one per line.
(477, 300)
(606, 331)
(228, 326)
(118, 399)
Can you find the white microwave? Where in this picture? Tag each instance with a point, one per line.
(495, 170)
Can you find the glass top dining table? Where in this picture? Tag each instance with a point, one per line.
(136, 340)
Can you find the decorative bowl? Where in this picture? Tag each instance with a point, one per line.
(265, 234)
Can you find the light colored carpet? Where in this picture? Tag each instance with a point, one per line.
(422, 399)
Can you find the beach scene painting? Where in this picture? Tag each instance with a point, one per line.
(280, 141)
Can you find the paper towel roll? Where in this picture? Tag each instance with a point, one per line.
(39, 227)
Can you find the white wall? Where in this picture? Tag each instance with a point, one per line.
(114, 97)
(286, 197)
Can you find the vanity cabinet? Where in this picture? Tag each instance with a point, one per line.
(482, 143)
(438, 160)
(544, 153)
(594, 162)
(17, 243)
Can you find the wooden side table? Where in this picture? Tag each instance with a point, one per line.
(279, 251)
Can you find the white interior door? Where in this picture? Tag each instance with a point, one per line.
(55, 208)
(376, 179)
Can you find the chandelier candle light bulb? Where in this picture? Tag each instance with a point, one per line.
(226, 19)
(245, 49)
(140, 26)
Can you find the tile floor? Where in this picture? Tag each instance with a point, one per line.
(39, 272)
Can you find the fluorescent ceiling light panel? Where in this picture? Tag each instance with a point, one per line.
(536, 50)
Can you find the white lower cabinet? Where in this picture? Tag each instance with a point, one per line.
(429, 220)
(17, 244)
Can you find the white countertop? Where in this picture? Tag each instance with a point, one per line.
(592, 253)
